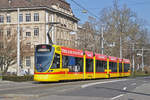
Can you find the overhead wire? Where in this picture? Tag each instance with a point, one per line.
(79, 5)
(135, 3)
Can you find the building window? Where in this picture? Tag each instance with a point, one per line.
(8, 18)
(8, 32)
(28, 61)
(1, 19)
(28, 17)
(1, 32)
(20, 17)
(36, 31)
(36, 16)
(1, 45)
(28, 45)
(28, 33)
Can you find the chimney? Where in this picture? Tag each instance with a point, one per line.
(9, 1)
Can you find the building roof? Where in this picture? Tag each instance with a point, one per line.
(13, 4)
(7, 4)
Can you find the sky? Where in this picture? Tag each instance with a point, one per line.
(140, 7)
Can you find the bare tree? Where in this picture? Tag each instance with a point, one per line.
(8, 51)
(86, 37)
(121, 22)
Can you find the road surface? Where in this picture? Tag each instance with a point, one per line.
(103, 89)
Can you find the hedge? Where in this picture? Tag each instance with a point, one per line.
(140, 74)
(18, 78)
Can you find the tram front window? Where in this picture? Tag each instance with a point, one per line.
(43, 58)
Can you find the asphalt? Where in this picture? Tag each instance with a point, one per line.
(103, 89)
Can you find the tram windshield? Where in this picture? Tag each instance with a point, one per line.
(43, 57)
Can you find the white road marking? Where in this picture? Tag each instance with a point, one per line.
(133, 84)
(91, 84)
(124, 88)
(117, 96)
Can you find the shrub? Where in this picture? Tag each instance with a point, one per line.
(147, 69)
(18, 78)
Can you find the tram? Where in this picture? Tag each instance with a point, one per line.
(55, 63)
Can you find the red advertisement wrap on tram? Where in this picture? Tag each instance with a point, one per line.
(100, 57)
(71, 52)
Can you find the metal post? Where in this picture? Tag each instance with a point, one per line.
(102, 40)
(18, 44)
(120, 47)
(47, 28)
(133, 59)
(142, 59)
(84, 42)
(53, 37)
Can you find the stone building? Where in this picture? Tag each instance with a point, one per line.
(34, 16)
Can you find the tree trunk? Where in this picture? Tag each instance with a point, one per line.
(6, 69)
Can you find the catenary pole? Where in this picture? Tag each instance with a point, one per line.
(142, 59)
(102, 40)
(120, 47)
(133, 62)
(18, 44)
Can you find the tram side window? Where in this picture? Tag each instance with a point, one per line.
(120, 67)
(65, 61)
(74, 64)
(56, 61)
(100, 66)
(89, 65)
(126, 67)
(113, 66)
(104, 64)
